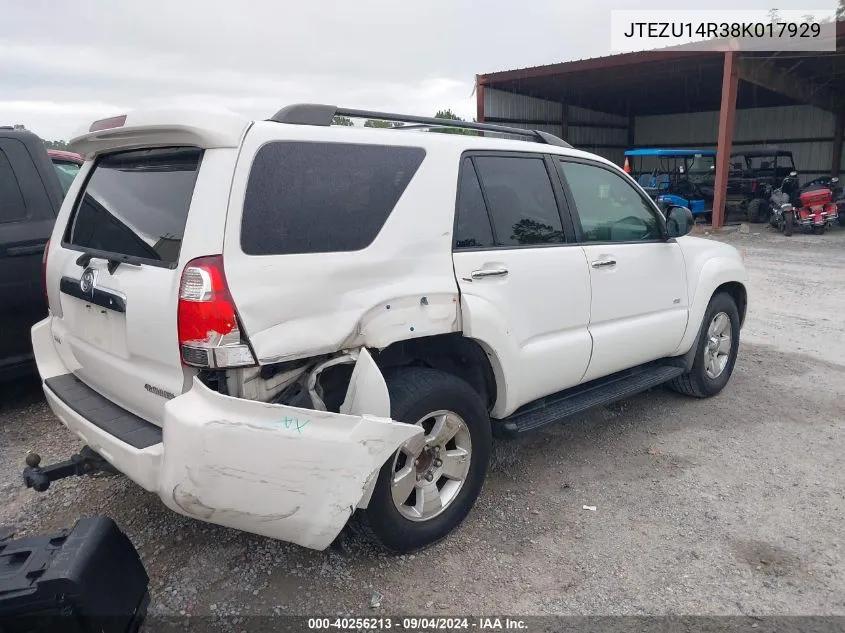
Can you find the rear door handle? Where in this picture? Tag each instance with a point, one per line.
(603, 263)
(481, 273)
(20, 251)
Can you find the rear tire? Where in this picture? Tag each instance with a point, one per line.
(819, 230)
(711, 370)
(788, 223)
(429, 397)
(757, 210)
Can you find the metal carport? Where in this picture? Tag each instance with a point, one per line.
(680, 97)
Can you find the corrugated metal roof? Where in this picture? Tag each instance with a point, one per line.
(609, 61)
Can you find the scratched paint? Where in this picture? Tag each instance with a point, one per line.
(284, 472)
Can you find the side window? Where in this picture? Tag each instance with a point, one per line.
(521, 200)
(322, 197)
(472, 225)
(609, 207)
(12, 206)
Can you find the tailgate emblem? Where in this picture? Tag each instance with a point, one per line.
(88, 281)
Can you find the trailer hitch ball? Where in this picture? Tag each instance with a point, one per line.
(85, 462)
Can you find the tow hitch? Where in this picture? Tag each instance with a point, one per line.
(86, 462)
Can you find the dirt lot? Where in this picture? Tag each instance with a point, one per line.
(733, 505)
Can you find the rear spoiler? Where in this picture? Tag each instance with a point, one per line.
(157, 128)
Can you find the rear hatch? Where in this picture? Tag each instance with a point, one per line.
(115, 262)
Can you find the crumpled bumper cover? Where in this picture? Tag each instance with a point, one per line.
(287, 473)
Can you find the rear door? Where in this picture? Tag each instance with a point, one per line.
(114, 268)
(639, 305)
(26, 220)
(525, 285)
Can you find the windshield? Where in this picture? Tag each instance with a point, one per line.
(66, 170)
(136, 203)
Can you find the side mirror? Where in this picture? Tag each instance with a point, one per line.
(679, 221)
(834, 180)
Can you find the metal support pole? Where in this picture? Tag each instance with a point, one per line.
(479, 100)
(836, 159)
(727, 117)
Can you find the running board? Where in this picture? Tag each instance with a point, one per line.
(592, 394)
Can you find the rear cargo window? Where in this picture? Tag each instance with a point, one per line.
(322, 197)
(136, 204)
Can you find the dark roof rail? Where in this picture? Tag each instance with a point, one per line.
(320, 114)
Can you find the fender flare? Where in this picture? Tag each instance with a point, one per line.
(715, 274)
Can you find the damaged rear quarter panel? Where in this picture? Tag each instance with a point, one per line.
(282, 472)
(401, 286)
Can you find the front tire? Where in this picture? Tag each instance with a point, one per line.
(716, 350)
(428, 487)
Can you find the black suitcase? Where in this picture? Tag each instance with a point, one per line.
(86, 579)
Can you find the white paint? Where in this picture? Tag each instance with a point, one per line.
(117, 354)
(709, 264)
(151, 128)
(367, 392)
(296, 474)
(534, 320)
(287, 473)
(283, 472)
(638, 309)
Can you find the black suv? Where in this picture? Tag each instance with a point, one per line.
(30, 196)
(752, 176)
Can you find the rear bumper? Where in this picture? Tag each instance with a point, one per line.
(283, 472)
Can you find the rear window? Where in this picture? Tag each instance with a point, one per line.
(136, 204)
(322, 197)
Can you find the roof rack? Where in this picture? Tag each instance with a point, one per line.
(321, 114)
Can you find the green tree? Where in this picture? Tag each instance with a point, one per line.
(20, 126)
(342, 120)
(448, 114)
(378, 123)
(840, 10)
(56, 145)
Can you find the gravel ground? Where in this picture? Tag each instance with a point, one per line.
(732, 505)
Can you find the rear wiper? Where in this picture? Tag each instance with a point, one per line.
(113, 262)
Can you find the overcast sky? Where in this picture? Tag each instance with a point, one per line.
(66, 63)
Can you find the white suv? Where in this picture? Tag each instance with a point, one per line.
(277, 325)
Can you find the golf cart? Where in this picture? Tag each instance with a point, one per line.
(753, 176)
(682, 177)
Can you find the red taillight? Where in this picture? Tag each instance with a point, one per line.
(753, 186)
(107, 124)
(207, 321)
(44, 273)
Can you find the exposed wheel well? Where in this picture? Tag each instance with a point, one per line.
(739, 294)
(450, 353)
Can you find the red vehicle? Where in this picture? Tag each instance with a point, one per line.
(67, 165)
(817, 209)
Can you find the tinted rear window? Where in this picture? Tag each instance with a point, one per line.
(322, 197)
(136, 203)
